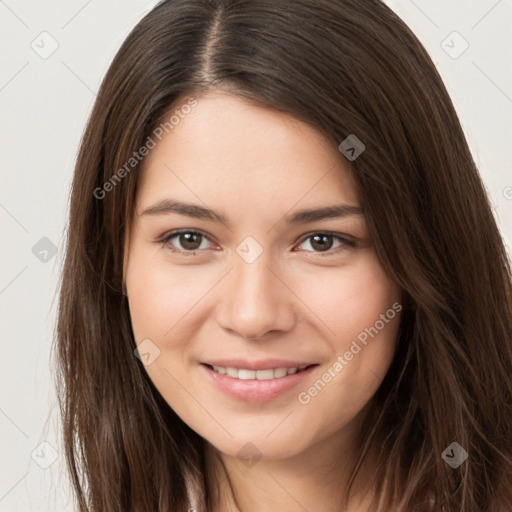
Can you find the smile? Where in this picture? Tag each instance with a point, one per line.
(257, 384)
(244, 374)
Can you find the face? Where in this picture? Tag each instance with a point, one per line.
(259, 322)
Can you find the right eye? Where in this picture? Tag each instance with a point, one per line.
(189, 240)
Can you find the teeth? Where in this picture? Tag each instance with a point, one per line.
(232, 372)
(244, 374)
(218, 369)
(280, 372)
(261, 374)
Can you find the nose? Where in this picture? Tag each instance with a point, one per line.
(255, 300)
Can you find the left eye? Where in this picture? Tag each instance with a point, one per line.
(323, 242)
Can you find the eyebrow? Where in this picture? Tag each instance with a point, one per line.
(300, 217)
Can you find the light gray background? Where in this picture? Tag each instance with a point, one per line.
(44, 106)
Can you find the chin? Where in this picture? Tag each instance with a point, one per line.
(262, 446)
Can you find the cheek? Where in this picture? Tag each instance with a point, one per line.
(350, 299)
(160, 296)
(363, 322)
(361, 311)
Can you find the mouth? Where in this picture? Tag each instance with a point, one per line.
(267, 374)
(256, 385)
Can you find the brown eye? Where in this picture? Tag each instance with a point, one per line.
(324, 242)
(321, 242)
(186, 241)
(190, 241)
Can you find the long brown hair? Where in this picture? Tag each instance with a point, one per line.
(345, 67)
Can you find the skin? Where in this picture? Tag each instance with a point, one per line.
(255, 166)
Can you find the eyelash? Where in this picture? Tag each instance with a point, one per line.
(165, 241)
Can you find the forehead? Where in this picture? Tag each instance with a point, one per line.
(247, 156)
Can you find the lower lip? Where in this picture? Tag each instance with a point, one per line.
(254, 390)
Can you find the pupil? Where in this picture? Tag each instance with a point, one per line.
(187, 241)
(321, 246)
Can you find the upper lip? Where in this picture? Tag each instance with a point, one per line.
(267, 364)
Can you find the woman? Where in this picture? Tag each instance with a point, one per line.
(284, 287)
